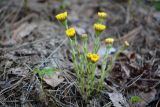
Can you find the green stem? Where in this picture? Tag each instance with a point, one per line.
(82, 74)
(65, 23)
(89, 73)
(103, 72)
(93, 77)
(72, 43)
(101, 21)
(84, 60)
(96, 42)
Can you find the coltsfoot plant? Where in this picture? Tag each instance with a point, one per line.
(85, 63)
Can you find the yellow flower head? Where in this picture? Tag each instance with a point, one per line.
(109, 41)
(70, 32)
(89, 55)
(102, 15)
(126, 44)
(99, 27)
(94, 58)
(62, 16)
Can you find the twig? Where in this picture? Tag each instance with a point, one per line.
(157, 103)
(128, 11)
(11, 87)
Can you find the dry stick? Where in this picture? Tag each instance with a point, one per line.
(128, 11)
(156, 84)
(31, 86)
(4, 72)
(157, 103)
(17, 101)
(2, 102)
(11, 87)
(57, 101)
(68, 87)
(9, 97)
(138, 77)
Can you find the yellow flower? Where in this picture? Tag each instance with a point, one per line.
(126, 44)
(62, 16)
(109, 41)
(70, 32)
(94, 58)
(102, 15)
(89, 55)
(99, 27)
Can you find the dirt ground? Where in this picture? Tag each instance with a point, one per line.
(31, 37)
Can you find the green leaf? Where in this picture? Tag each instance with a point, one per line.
(45, 71)
(135, 99)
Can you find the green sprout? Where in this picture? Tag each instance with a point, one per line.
(135, 99)
(45, 71)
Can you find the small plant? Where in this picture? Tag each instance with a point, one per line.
(46, 71)
(85, 63)
(135, 99)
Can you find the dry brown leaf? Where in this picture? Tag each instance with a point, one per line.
(118, 100)
(54, 79)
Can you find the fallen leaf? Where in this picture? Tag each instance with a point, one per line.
(54, 79)
(118, 100)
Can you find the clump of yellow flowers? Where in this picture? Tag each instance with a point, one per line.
(85, 63)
